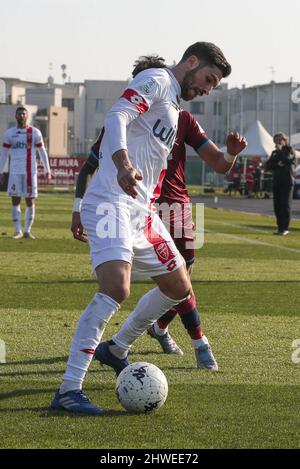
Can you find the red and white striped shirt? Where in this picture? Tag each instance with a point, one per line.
(22, 145)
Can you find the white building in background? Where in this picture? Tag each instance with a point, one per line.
(226, 109)
(271, 104)
(100, 96)
(236, 109)
(74, 99)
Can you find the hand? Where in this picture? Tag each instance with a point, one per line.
(281, 164)
(77, 228)
(48, 178)
(127, 179)
(235, 143)
(1, 179)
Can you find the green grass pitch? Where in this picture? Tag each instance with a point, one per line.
(247, 285)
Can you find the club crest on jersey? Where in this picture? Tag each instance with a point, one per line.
(163, 251)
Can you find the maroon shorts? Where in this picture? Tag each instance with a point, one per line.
(179, 222)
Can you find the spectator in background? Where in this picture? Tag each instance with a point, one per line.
(282, 163)
(257, 174)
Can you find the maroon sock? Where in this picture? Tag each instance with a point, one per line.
(190, 317)
(165, 320)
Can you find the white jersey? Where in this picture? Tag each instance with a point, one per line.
(22, 145)
(143, 121)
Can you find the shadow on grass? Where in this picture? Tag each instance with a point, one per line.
(25, 392)
(58, 282)
(47, 412)
(37, 361)
(147, 352)
(150, 282)
(45, 373)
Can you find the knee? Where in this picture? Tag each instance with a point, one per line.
(185, 292)
(29, 202)
(179, 290)
(117, 292)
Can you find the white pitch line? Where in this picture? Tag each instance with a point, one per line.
(255, 241)
(236, 225)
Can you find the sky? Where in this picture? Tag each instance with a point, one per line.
(101, 39)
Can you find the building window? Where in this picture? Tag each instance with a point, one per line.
(197, 107)
(295, 107)
(69, 103)
(99, 105)
(217, 108)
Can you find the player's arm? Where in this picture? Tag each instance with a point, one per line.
(87, 170)
(43, 155)
(127, 174)
(116, 122)
(143, 91)
(288, 158)
(4, 156)
(216, 159)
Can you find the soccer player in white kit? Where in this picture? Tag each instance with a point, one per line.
(127, 238)
(22, 143)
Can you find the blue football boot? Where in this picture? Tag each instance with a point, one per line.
(104, 356)
(75, 401)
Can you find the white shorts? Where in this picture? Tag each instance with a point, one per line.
(18, 186)
(147, 245)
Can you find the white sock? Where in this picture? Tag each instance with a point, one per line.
(88, 334)
(198, 342)
(16, 217)
(159, 331)
(150, 307)
(29, 218)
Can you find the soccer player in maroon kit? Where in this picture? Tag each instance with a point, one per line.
(174, 190)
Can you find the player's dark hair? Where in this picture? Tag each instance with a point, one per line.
(147, 61)
(21, 108)
(208, 54)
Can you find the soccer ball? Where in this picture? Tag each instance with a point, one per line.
(141, 387)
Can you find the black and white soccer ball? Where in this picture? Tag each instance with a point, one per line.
(141, 387)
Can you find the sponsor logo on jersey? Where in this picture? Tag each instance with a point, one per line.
(167, 136)
(147, 87)
(19, 145)
(133, 97)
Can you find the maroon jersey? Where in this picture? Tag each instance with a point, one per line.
(189, 131)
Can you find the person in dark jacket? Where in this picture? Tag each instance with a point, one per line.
(282, 163)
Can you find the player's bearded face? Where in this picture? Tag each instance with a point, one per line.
(187, 89)
(200, 81)
(21, 118)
